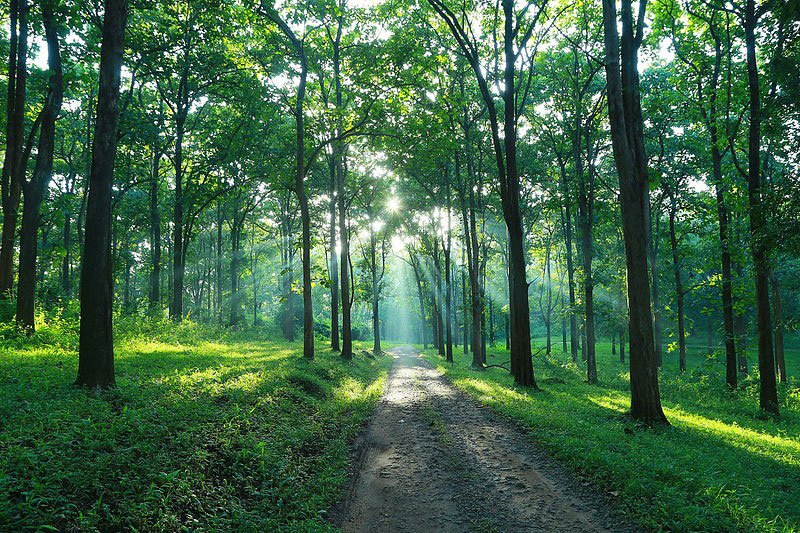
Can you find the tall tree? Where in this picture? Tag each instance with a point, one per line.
(516, 37)
(627, 140)
(34, 189)
(15, 160)
(96, 348)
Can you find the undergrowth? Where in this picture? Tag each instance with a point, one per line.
(237, 433)
(721, 466)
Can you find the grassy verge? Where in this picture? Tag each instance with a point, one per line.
(236, 434)
(720, 467)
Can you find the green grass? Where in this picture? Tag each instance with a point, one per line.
(720, 467)
(233, 434)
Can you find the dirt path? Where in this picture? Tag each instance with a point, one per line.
(434, 460)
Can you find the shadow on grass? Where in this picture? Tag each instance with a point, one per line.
(222, 436)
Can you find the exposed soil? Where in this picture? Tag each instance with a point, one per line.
(434, 460)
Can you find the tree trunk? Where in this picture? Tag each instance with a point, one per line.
(178, 264)
(731, 375)
(768, 395)
(237, 315)
(628, 148)
(420, 294)
(66, 262)
(446, 247)
(155, 234)
(334, 264)
(14, 162)
(96, 348)
(653, 249)
(777, 309)
(679, 292)
(376, 321)
(573, 320)
(586, 215)
(218, 266)
(35, 189)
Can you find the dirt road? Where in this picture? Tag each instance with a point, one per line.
(434, 460)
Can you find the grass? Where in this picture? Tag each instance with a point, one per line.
(720, 467)
(233, 434)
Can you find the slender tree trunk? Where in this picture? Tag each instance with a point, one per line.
(653, 249)
(376, 320)
(464, 311)
(420, 294)
(66, 263)
(35, 189)
(344, 235)
(521, 364)
(334, 266)
(96, 348)
(446, 247)
(628, 148)
(14, 163)
(178, 265)
(777, 309)
(731, 375)
(679, 292)
(218, 266)
(573, 320)
(473, 265)
(155, 234)
(585, 214)
(491, 324)
(437, 269)
(237, 315)
(768, 396)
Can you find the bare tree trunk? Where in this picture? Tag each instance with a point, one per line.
(178, 264)
(653, 249)
(35, 189)
(777, 309)
(679, 292)
(586, 215)
(236, 313)
(96, 348)
(334, 264)
(376, 321)
(628, 147)
(768, 396)
(446, 247)
(573, 320)
(155, 234)
(14, 163)
(420, 294)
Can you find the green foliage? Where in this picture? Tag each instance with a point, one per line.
(230, 434)
(718, 468)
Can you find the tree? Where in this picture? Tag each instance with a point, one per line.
(34, 189)
(627, 139)
(15, 160)
(96, 348)
(506, 158)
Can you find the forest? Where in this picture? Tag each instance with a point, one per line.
(400, 265)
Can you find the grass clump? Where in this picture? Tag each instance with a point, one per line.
(720, 467)
(238, 434)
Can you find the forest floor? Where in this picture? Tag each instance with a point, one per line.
(721, 466)
(433, 459)
(207, 430)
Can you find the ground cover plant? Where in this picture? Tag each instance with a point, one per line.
(203, 432)
(721, 466)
